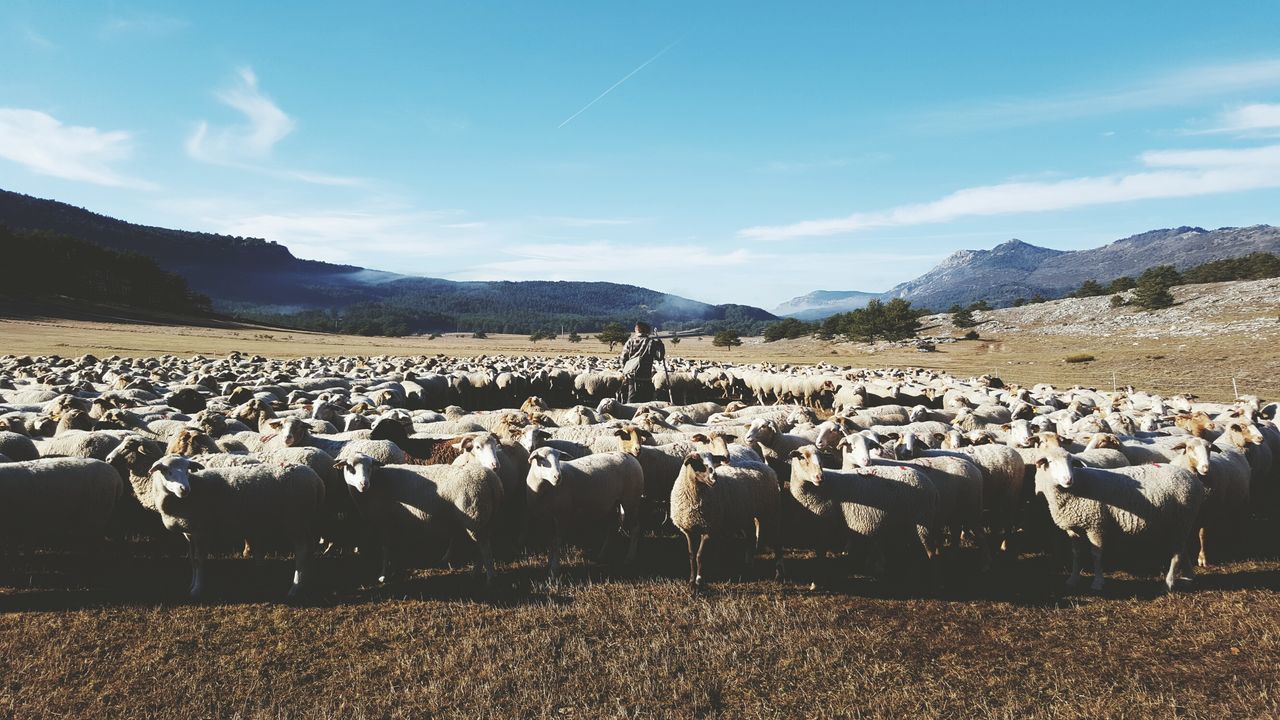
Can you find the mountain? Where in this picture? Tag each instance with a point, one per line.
(998, 275)
(262, 279)
(1016, 269)
(822, 303)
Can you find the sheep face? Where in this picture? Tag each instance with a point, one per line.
(484, 448)
(1058, 464)
(701, 468)
(173, 472)
(132, 452)
(1019, 433)
(829, 436)
(544, 469)
(533, 437)
(717, 447)
(805, 465)
(1196, 450)
(293, 431)
(357, 471)
(761, 431)
(860, 450)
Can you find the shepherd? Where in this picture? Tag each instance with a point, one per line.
(639, 354)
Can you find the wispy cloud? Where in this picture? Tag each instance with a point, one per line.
(1255, 120)
(1169, 174)
(400, 237)
(586, 222)
(614, 86)
(248, 145)
(141, 25)
(599, 260)
(1168, 90)
(36, 39)
(42, 144)
(266, 124)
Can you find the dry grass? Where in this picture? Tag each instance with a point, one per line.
(638, 645)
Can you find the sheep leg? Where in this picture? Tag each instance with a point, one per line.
(198, 547)
(693, 556)
(1096, 549)
(632, 522)
(702, 546)
(485, 560)
(1076, 545)
(385, 575)
(553, 552)
(301, 566)
(984, 547)
(1204, 554)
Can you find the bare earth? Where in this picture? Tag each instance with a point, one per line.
(612, 643)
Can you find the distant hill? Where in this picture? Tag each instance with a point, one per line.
(823, 303)
(261, 279)
(1016, 269)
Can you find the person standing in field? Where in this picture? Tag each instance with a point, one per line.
(639, 354)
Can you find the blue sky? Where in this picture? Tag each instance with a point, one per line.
(735, 152)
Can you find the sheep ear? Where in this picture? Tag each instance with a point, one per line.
(893, 436)
(1006, 427)
(275, 424)
(340, 465)
(154, 468)
(1034, 441)
(622, 433)
(194, 467)
(939, 436)
(720, 459)
(1075, 462)
(796, 455)
(700, 438)
(1215, 448)
(1179, 446)
(1042, 463)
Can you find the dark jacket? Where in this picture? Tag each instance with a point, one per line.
(648, 349)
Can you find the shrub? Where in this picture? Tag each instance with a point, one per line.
(1118, 300)
(971, 335)
(726, 339)
(963, 318)
(788, 329)
(1152, 293)
(1089, 288)
(480, 335)
(612, 334)
(1080, 358)
(574, 337)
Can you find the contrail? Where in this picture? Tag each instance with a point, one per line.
(611, 87)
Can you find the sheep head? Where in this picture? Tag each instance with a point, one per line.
(544, 470)
(700, 468)
(174, 474)
(357, 470)
(859, 449)
(1195, 454)
(482, 448)
(1057, 464)
(805, 465)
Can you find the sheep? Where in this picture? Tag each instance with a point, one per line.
(407, 504)
(595, 386)
(719, 446)
(584, 495)
(5, 458)
(512, 470)
(895, 506)
(1003, 478)
(660, 463)
(1095, 506)
(958, 480)
(80, 443)
(255, 502)
(1225, 473)
(294, 432)
(418, 450)
(18, 447)
(54, 500)
(715, 502)
(192, 442)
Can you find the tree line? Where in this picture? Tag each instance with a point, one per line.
(42, 264)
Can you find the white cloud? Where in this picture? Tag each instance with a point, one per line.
(249, 146)
(266, 125)
(599, 260)
(349, 236)
(1172, 89)
(42, 144)
(1172, 174)
(1258, 119)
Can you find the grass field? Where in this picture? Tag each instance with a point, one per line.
(115, 638)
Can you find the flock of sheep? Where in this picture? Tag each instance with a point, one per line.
(406, 458)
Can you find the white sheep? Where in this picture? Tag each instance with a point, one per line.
(709, 500)
(18, 447)
(1097, 506)
(1225, 473)
(895, 506)
(407, 505)
(584, 496)
(55, 500)
(259, 503)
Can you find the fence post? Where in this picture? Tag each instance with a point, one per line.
(1235, 388)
